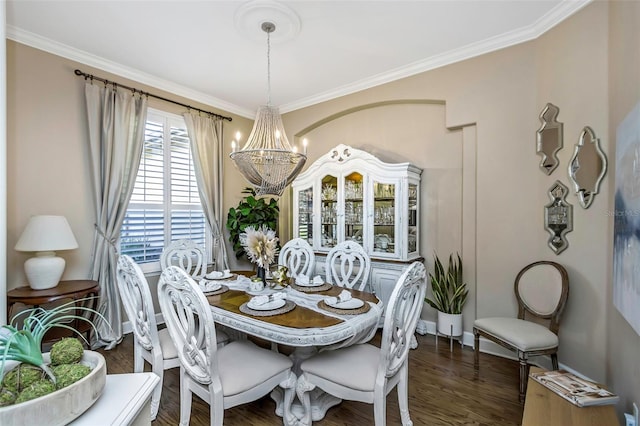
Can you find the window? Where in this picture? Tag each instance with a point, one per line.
(165, 205)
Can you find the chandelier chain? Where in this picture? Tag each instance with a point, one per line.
(268, 68)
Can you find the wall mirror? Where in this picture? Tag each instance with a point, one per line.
(558, 217)
(549, 138)
(587, 167)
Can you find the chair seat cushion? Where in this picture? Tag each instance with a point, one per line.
(523, 335)
(354, 367)
(243, 365)
(169, 350)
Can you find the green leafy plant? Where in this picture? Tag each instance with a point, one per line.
(23, 344)
(449, 290)
(251, 211)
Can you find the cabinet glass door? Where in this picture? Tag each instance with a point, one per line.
(353, 207)
(305, 214)
(384, 220)
(329, 211)
(412, 239)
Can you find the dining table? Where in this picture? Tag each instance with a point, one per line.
(306, 323)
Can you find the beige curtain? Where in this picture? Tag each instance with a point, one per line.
(116, 119)
(205, 134)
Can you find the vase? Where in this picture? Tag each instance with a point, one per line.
(449, 324)
(262, 273)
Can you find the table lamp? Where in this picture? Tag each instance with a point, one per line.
(45, 235)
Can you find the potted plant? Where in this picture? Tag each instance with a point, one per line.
(449, 295)
(36, 386)
(251, 211)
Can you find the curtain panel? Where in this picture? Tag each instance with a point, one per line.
(205, 134)
(116, 120)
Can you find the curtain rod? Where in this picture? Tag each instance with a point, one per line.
(105, 81)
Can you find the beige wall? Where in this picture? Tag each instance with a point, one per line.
(470, 126)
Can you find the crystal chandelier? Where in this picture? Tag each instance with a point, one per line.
(267, 160)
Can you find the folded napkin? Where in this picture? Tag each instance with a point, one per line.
(304, 280)
(209, 286)
(218, 274)
(342, 297)
(264, 299)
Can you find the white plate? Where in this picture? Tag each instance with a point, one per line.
(309, 284)
(347, 304)
(278, 303)
(220, 277)
(209, 287)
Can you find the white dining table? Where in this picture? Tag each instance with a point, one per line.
(307, 329)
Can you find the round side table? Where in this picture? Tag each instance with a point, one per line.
(74, 290)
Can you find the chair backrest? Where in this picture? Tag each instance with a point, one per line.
(136, 298)
(348, 265)
(188, 317)
(542, 289)
(401, 317)
(297, 255)
(186, 254)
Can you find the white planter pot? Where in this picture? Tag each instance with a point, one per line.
(449, 324)
(64, 405)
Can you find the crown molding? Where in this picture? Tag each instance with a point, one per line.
(552, 18)
(59, 49)
(559, 13)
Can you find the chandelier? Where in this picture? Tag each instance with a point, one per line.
(267, 160)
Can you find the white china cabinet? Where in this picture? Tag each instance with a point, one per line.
(349, 194)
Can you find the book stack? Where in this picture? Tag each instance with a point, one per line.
(578, 391)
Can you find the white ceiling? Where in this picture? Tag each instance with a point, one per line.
(214, 51)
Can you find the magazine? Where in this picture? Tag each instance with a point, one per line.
(574, 389)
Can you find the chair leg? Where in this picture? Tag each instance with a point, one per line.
(403, 397)
(476, 350)
(157, 392)
(138, 360)
(380, 408)
(554, 361)
(185, 399)
(524, 376)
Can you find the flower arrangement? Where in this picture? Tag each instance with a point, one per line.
(261, 245)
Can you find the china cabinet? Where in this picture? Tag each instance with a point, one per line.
(349, 194)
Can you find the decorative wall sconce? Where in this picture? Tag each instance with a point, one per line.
(549, 138)
(587, 167)
(558, 217)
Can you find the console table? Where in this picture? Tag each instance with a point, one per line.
(75, 290)
(125, 400)
(543, 407)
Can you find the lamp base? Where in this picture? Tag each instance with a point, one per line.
(44, 270)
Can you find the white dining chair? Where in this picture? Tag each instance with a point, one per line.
(226, 376)
(297, 255)
(348, 265)
(365, 372)
(149, 344)
(186, 254)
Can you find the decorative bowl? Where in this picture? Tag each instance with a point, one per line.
(64, 405)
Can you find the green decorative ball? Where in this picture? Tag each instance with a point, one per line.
(66, 351)
(7, 397)
(36, 390)
(67, 374)
(21, 377)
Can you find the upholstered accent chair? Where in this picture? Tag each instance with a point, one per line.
(149, 344)
(541, 290)
(365, 372)
(188, 255)
(297, 255)
(225, 376)
(348, 265)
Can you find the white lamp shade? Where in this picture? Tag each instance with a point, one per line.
(47, 233)
(44, 235)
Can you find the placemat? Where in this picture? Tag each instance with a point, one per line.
(288, 306)
(221, 290)
(361, 310)
(314, 289)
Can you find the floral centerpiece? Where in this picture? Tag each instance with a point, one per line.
(261, 246)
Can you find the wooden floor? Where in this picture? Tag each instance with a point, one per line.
(443, 390)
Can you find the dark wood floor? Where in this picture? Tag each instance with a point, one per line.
(443, 390)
